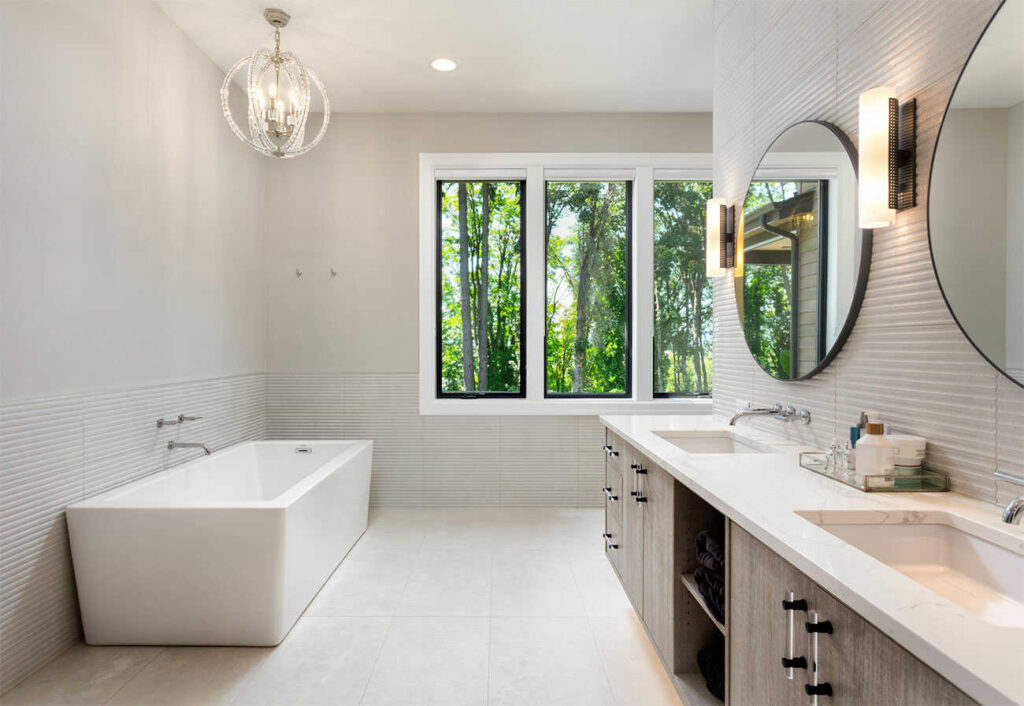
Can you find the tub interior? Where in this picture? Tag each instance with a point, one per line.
(254, 472)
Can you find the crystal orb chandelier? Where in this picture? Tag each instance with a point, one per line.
(278, 94)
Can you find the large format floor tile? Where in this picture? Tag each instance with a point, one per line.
(432, 607)
(322, 662)
(82, 676)
(432, 662)
(551, 661)
(183, 676)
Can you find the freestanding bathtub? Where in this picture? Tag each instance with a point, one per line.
(225, 550)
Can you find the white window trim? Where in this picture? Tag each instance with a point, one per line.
(642, 170)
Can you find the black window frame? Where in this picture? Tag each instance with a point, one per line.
(628, 394)
(478, 394)
(654, 348)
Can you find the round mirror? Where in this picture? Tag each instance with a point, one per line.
(802, 262)
(976, 197)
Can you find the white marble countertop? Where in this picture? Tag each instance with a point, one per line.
(761, 492)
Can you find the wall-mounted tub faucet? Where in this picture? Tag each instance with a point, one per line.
(160, 423)
(171, 445)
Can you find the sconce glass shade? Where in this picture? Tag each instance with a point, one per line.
(873, 167)
(713, 237)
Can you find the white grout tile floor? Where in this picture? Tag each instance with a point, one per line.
(432, 607)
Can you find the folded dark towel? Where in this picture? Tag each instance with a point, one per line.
(711, 662)
(707, 541)
(712, 562)
(711, 587)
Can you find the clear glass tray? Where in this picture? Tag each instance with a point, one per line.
(920, 481)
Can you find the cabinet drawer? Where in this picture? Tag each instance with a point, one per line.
(613, 496)
(616, 451)
(613, 545)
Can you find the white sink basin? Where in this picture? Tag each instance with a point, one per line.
(709, 442)
(974, 566)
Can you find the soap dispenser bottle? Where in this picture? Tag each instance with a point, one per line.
(876, 455)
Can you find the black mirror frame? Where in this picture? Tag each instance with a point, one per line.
(928, 216)
(867, 239)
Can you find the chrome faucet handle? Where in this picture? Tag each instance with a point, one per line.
(805, 416)
(182, 418)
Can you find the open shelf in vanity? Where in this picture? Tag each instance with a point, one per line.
(651, 527)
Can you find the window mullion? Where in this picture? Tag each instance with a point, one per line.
(536, 275)
(643, 285)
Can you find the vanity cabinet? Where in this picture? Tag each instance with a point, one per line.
(857, 661)
(652, 548)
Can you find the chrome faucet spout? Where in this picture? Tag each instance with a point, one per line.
(751, 411)
(1013, 511)
(171, 445)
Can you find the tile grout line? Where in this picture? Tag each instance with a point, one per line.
(136, 673)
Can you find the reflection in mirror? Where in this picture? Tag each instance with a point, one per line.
(976, 198)
(800, 274)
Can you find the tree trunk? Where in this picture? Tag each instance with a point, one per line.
(483, 307)
(467, 314)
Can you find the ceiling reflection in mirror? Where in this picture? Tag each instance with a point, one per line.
(801, 264)
(976, 197)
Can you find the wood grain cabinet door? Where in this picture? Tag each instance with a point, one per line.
(659, 558)
(632, 560)
(863, 666)
(759, 626)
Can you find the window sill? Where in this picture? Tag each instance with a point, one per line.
(551, 407)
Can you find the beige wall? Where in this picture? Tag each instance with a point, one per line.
(352, 204)
(129, 229)
(1015, 242)
(968, 222)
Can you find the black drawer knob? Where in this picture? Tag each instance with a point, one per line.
(798, 604)
(823, 689)
(825, 626)
(794, 662)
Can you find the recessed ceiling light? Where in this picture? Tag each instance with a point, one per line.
(443, 64)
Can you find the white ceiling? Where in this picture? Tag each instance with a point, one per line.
(513, 55)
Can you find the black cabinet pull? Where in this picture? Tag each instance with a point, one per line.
(798, 604)
(640, 470)
(823, 689)
(825, 626)
(640, 499)
(794, 662)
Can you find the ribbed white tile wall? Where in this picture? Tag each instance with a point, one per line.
(441, 460)
(780, 61)
(58, 450)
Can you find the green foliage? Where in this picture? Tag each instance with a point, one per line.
(682, 293)
(489, 307)
(766, 316)
(587, 297)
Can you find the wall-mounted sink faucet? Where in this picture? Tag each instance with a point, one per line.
(171, 445)
(1013, 511)
(775, 411)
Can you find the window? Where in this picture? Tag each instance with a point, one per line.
(682, 292)
(563, 284)
(480, 289)
(587, 326)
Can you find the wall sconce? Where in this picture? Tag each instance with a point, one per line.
(720, 237)
(887, 157)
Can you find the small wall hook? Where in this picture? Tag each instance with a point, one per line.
(334, 272)
(298, 272)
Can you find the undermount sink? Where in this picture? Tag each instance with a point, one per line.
(709, 442)
(974, 566)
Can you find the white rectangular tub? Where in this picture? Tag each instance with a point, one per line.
(225, 550)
